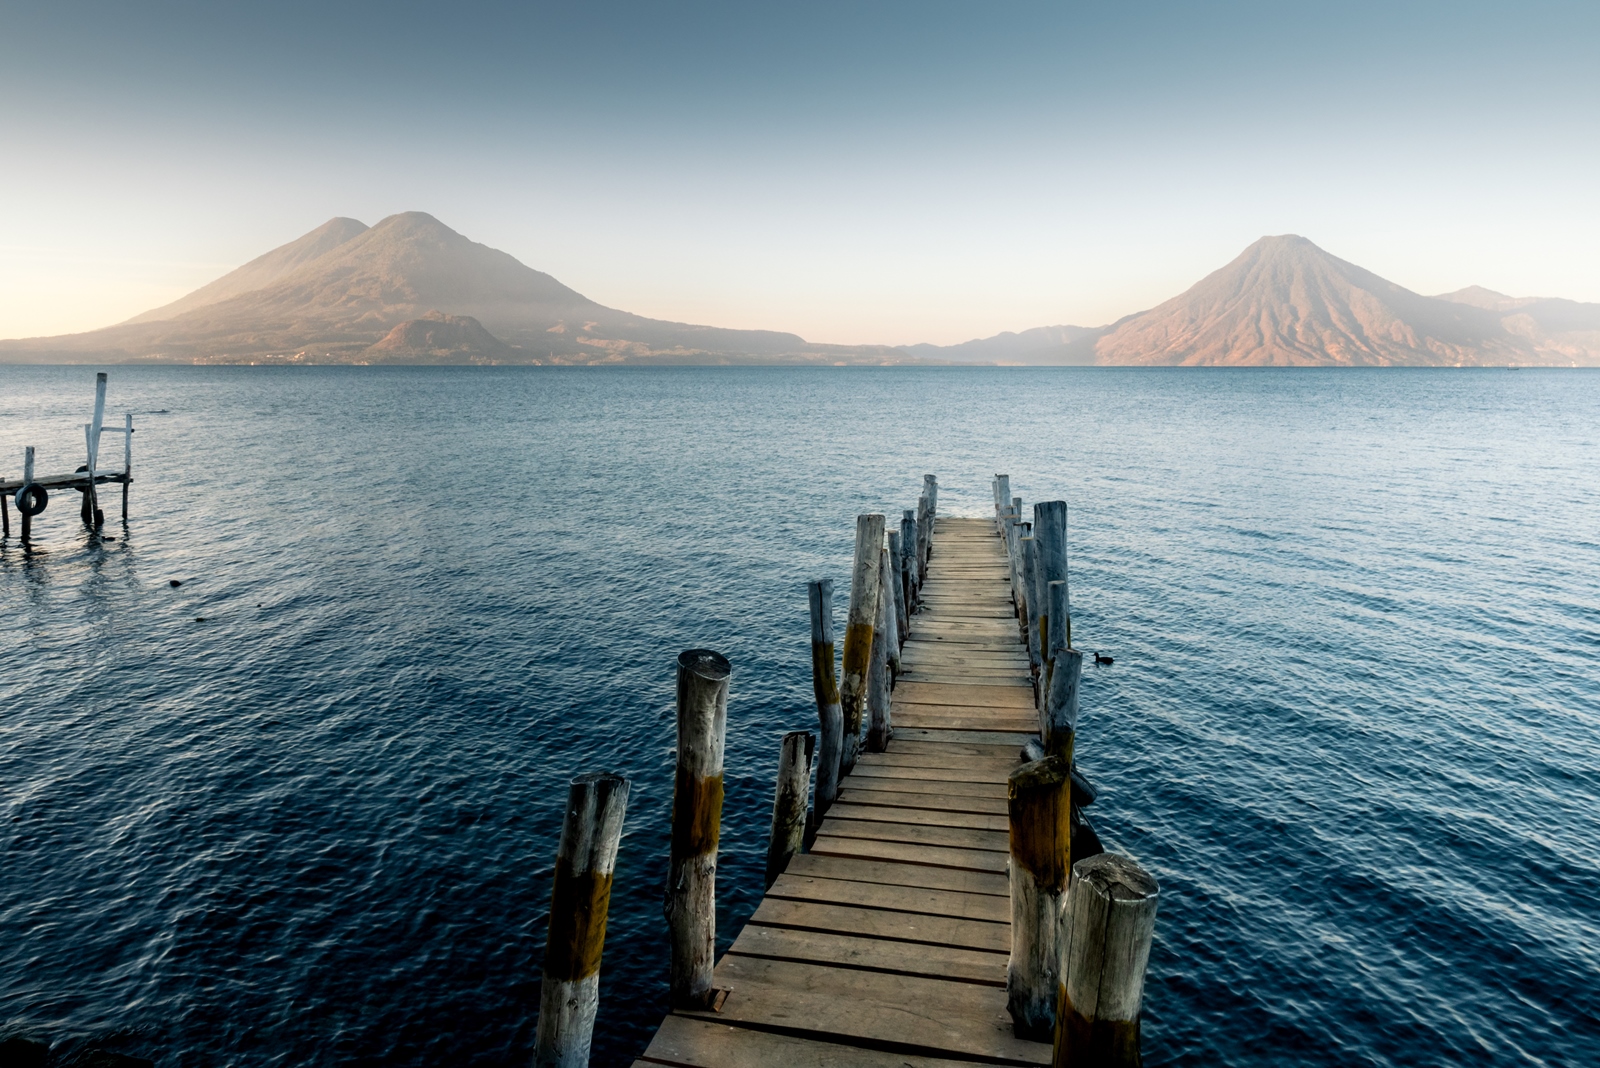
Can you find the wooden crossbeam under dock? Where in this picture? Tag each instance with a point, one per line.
(886, 945)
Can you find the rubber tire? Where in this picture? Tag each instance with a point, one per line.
(31, 499)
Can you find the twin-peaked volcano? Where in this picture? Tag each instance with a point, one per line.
(335, 294)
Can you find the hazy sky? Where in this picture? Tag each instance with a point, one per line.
(853, 172)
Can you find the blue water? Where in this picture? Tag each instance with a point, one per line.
(1353, 725)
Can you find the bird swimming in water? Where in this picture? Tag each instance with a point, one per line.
(1101, 658)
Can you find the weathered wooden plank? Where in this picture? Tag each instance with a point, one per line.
(928, 757)
(883, 923)
(930, 902)
(928, 1016)
(897, 873)
(955, 747)
(909, 692)
(919, 717)
(984, 737)
(692, 1042)
(980, 806)
(846, 950)
(940, 775)
(884, 831)
(832, 845)
(927, 817)
(981, 788)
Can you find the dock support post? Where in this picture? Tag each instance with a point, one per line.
(1040, 804)
(691, 905)
(1110, 921)
(27, 480)
(92, 516)
(127, 461)
(908, 547)
(858, 633)
(1002, 498)
(1030, 617)
(825, 684)
(789, 802)
(879, 674)
(1060, 719)
(5, 516)
(897, 583)
(569, 995)
(1050, 532)
(930, 490)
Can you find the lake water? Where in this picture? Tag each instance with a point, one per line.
(1353, 725)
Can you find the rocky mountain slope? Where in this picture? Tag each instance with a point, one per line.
(334, 295)
(1286, 302)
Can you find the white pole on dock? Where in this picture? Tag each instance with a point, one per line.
(858, 633)
(825, 684)
(569, 995)
(91, 434)
(1110, 922)
(691, 904)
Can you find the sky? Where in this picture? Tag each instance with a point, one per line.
(870, 173)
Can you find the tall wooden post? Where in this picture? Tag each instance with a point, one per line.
(858, 633)
(5, 516)
(570, 993)
(1002, 496)
(896, 576)
(1050, 531)
(691, 905)
(91, 434)
(1040, 808)
(789, 802)
(27, 480)
(930, 490)
(1060, 718)
(825, 684)
(908, 547)
(127, 460)
(1030, 584)
(924, 525)
(879, 675)
(1111, 920)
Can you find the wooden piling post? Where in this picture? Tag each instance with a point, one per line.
(691, 906)
(1059, 602)
(1060, 717)
(127, 460)
(1110, 920)
(1050, 532)
(5, 516)
(1002, 497)
(896, 576)
(888, 593)
(1040, 807)
(825, 684)
(908, 546)
(858, 633)
(789, 802)
(91, 433)
(570, 992)
(930, 490)
(27, 480)
(1030, 623)
(880, 675)
(924, 525)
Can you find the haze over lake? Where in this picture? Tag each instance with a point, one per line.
(1351, 725)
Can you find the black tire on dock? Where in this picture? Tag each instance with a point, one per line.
(31, 499)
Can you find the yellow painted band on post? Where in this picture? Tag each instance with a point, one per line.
(857, 657)
(1040, 805)
(824, 682)
(578, 908)
(1080, 1041)
(696, 815)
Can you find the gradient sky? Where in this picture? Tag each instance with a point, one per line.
(853, 172)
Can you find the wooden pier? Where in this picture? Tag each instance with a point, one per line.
(31, 492)
(886, 944)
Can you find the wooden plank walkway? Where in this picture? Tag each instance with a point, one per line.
(886, 945)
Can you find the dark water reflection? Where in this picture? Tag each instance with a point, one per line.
(1352, 724)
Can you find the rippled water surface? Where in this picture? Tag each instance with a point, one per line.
(1352, 725)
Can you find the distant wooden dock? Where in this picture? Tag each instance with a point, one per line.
(886, 945)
